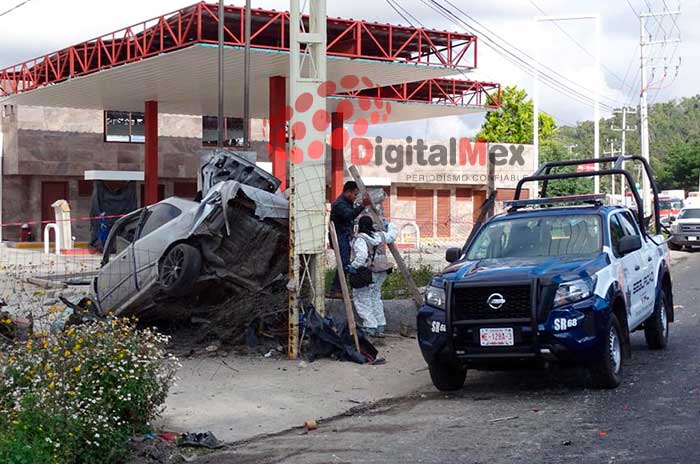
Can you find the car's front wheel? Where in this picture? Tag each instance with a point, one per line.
(673, 246)
(607, 371)
(180, 269)
(447, 376)
(656, 327)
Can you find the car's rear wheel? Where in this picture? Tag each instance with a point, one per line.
(447, 376)
(607, 371)
(656, 327)
(180, 269)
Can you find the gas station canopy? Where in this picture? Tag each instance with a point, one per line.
(172, 59)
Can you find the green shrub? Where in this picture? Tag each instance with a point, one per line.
(395, 285)
(77, 396)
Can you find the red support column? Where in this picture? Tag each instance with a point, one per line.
(151, 153)
(337, 161)
(278, 133)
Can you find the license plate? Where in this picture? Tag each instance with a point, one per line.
(692, 239)
(496, 337)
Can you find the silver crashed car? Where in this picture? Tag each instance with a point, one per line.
(234, 240)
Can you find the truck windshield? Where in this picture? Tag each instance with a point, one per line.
(690, 214)
(546, 236)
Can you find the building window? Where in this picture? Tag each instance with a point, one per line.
(233, 130)
(125, 127)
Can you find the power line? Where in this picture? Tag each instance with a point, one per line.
(14, 7)
(514, 57)
(396, 6)
(578, 44)
(632, 7)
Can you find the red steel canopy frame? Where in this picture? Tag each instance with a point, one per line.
(198, 24)
(436, 91)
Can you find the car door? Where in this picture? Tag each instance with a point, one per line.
(631, 265)
(116, 280)
(154, 237)
(645, 285)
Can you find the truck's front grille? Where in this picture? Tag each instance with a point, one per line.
(507, 302)
(690, 228)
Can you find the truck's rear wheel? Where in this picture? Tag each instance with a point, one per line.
(447, 376)
(656, 327)
(607, 372)
(180, 269)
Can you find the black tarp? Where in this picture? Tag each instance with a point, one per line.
(110, 201)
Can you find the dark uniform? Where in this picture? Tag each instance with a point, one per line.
(343, 214)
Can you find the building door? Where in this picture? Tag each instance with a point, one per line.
(478, 198)
(50, 193)
(424, 212)
(444, 222)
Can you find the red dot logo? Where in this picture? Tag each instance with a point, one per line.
(358, 106)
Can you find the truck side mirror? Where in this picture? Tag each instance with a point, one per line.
(629, 244)
(672, 218)
(453, 254)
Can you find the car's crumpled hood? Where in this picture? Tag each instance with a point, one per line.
(267, 205)
(548, 269)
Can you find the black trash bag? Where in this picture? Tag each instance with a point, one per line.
(200, 440)
(331, 339)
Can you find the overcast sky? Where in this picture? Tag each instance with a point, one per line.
(42, 26)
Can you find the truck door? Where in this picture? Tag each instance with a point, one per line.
(646, 255)
(632, 268)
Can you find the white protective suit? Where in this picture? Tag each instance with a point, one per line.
(368, 300)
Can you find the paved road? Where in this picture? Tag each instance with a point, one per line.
(528, 417)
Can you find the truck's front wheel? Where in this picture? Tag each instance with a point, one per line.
(447, 376)
(607, 372)
(656, 327)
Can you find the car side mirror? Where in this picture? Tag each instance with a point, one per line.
(673, 219)
(629, 244)
(453, 254)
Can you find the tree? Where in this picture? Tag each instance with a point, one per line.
(681, 168)
(556, 151)
(513, 123)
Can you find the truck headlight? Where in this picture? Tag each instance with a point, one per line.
(435, 296)
(574, 290)
(675, 228)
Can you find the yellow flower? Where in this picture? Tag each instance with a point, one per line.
(76, 347)
(52, 386)
(45, 344)
(29, 346)
(77, 369)
(66, 353)
(72, 393)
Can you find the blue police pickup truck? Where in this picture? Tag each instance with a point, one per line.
(552, 280)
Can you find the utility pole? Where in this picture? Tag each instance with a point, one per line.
(246, 78)
(612, 152)
(623, 129)
(644, 45)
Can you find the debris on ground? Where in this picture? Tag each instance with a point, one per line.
(310, 425)
(200, 440)
(331, 339)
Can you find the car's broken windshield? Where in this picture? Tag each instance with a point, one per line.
(546, 236)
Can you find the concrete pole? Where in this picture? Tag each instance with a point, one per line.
(2, 170)
(536, 100)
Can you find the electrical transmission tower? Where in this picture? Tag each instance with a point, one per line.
(666, 32)
(623, 129)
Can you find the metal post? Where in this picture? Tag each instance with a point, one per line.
(596, 103)
(246, 78)
(536, 100)
(220, 119)
(2, 170)
(643, 113)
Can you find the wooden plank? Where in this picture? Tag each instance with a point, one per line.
(344, 287)
(417, 297)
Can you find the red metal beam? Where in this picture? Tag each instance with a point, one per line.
(270, 30)
(337, 161)
(486, 95)
(278, 132)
